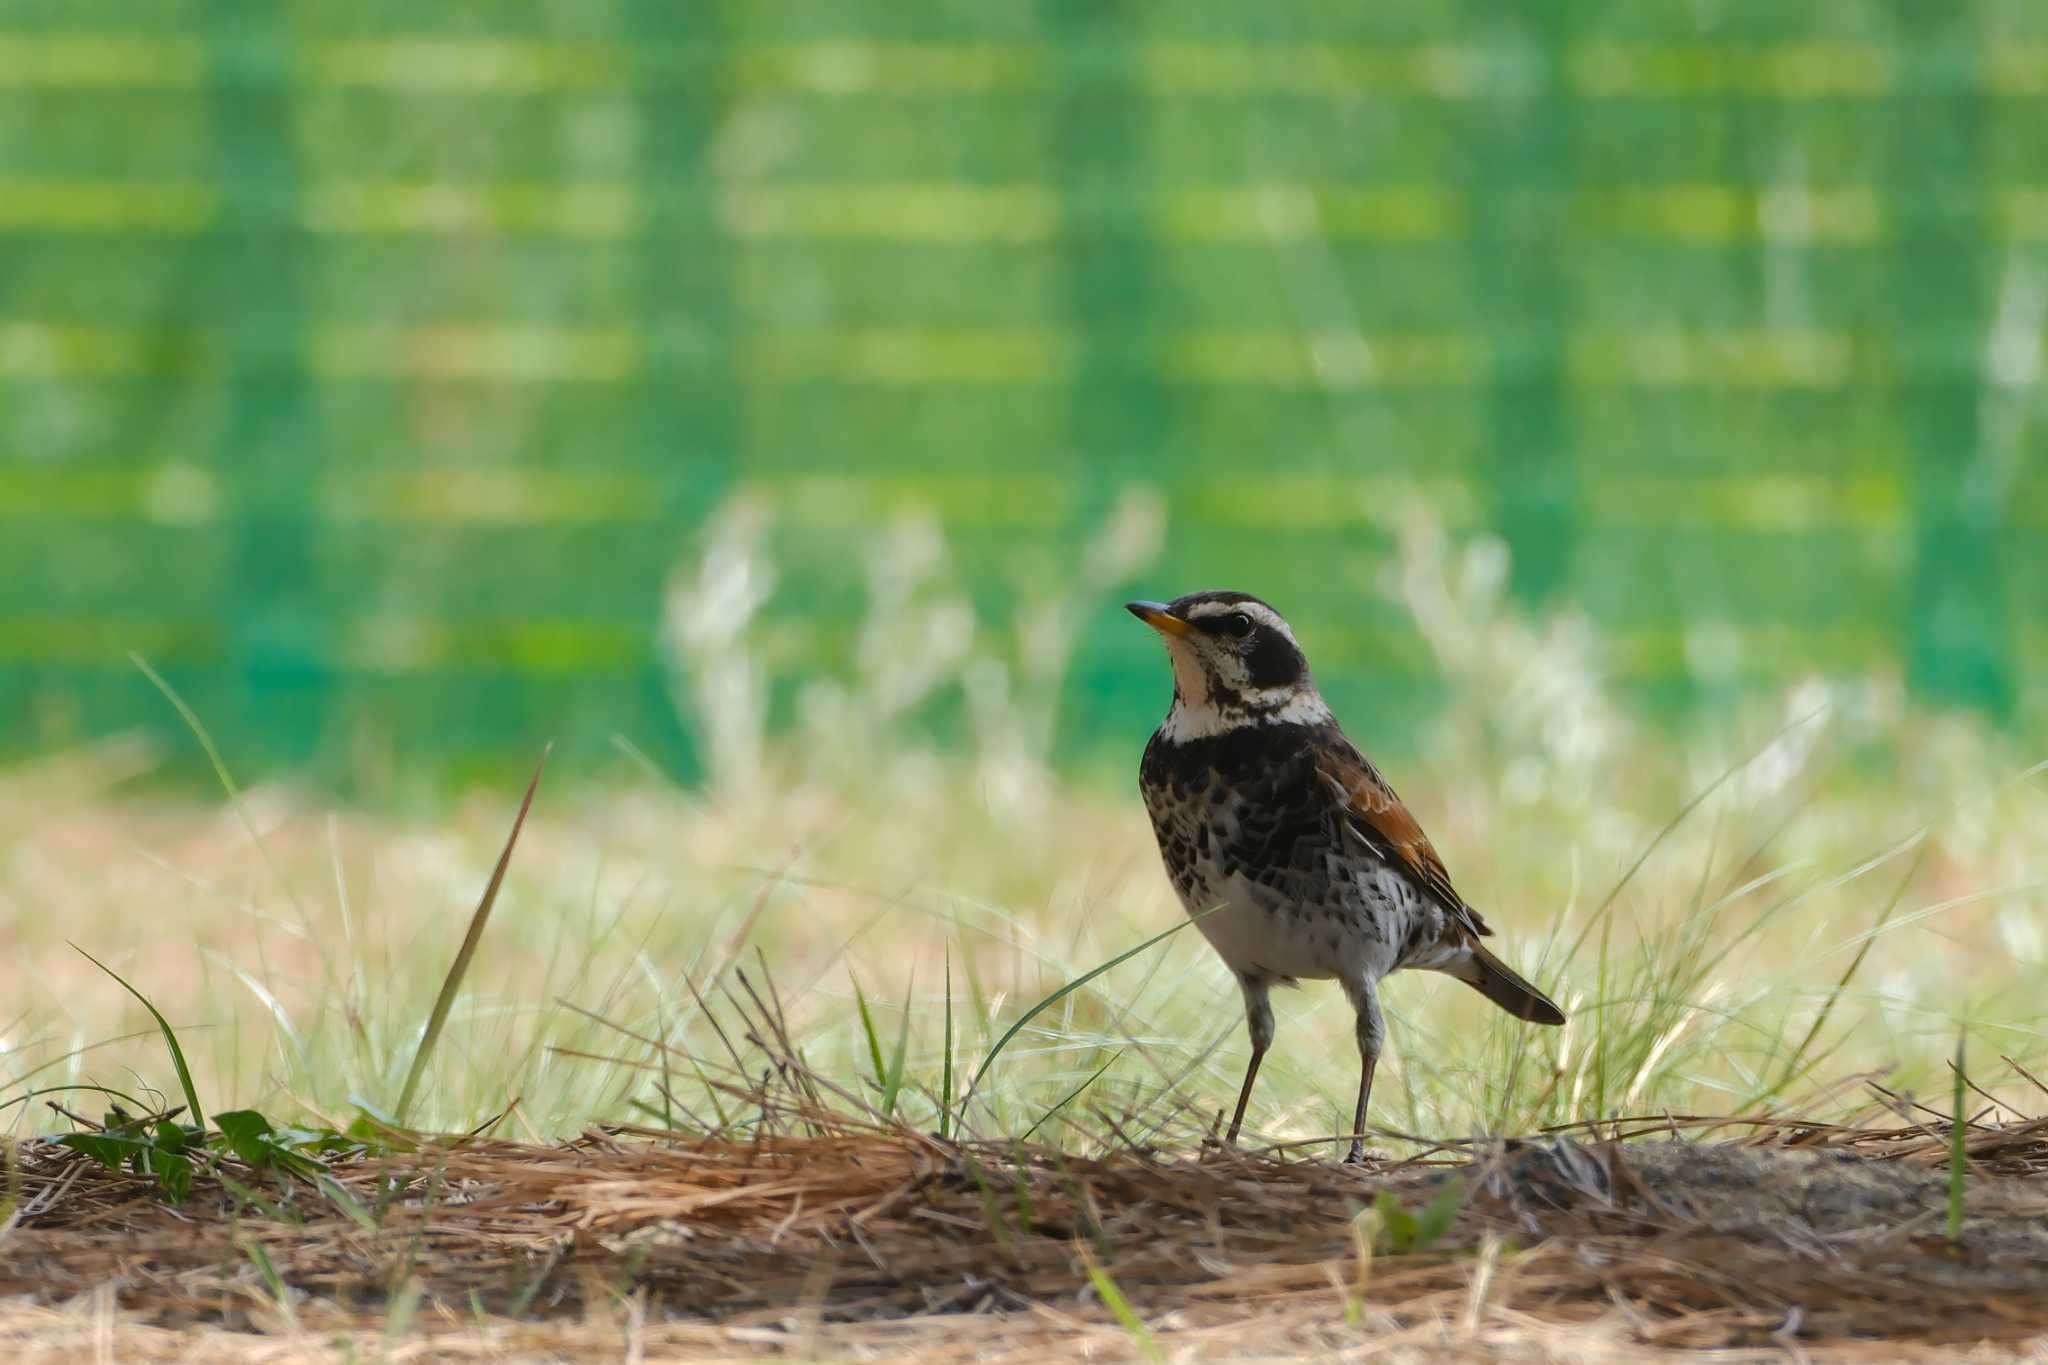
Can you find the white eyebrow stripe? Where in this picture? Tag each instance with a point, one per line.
(1267, 617)
(1257, 611)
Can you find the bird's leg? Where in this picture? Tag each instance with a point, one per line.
(1356, 1157)
(1372, 1031)
(1258, 1018)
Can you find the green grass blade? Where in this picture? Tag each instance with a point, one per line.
(453, 983)
(1599, 914)
(1113, 1299)
(338, 1195)
(892, 1085)
(267, 1268)
(992, 1218)
(1063, 992)
(1827, 1009)
(192, 723)
(1026, 1223)
(170, 1040)
(1956, 1160)
(867, 1028)
(946, 1071)
(10, 1188)
(402, 1304)
(1070, 1097)
(221, 774)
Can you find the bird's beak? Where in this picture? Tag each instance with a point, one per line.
(1155, 615)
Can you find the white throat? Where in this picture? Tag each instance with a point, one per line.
(1193, 718)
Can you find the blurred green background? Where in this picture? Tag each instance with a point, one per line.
(371, 367)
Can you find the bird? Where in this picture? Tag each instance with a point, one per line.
(1287, 846)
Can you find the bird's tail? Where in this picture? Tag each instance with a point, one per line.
(1499, 983)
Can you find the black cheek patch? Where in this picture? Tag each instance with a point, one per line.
(1274, 661)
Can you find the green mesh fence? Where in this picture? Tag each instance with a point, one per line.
(367, 366)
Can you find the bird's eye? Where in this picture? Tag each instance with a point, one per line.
(1237, 624)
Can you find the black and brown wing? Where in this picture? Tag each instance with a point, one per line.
(1377, 816)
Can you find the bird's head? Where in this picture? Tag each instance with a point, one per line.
(1235, 663)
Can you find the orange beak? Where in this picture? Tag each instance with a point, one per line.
(1155, 615)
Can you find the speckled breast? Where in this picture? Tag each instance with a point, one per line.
(1248, 834)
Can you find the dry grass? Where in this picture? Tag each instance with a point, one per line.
(851, 1242)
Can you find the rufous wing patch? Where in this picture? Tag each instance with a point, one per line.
(1377, 815)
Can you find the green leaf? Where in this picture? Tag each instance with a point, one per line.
(1403, 1231)
(169, 1136)
(161, 1158)
(323, 1140)
(1438, 1215)
(1397, 1225)
(376, 1130)
(247, 1134)
(172, 1171)
(170, 1038)
(108, 1149)
(251, 1138)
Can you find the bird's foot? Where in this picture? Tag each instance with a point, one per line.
(1221, 1149)
(1360, 1155)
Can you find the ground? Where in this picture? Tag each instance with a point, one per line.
(1760, 1240)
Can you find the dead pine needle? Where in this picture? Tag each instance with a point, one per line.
(876, 1241)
